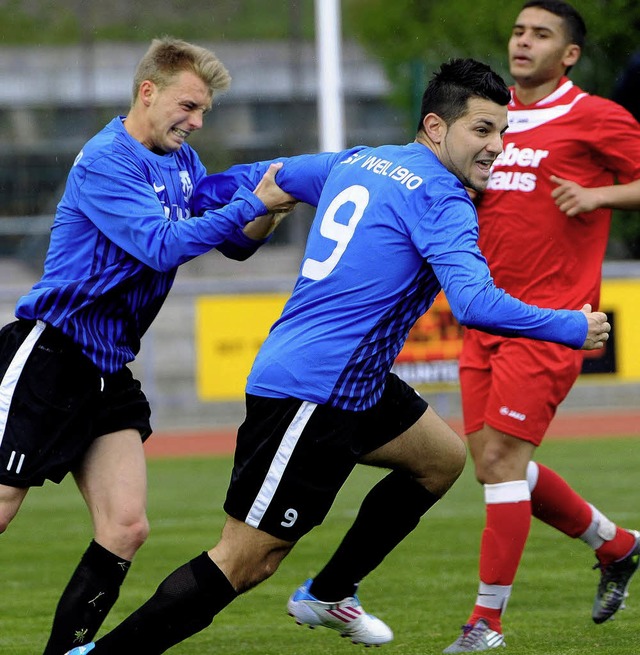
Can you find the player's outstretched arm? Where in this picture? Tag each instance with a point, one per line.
(598, 329)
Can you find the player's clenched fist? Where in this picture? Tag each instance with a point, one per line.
(598, 329)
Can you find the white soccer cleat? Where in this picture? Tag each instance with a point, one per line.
(346, 617)
(475, 638)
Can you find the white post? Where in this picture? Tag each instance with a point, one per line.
(330, 98)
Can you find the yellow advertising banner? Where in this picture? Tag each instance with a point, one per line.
(229, 333)
(231, 329)
(620, 299)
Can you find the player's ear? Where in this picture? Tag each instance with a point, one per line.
(146, 91)
(434, 127)
(571, 55)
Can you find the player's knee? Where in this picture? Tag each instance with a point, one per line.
(124, 538)
(251, 574)
(249, 578)
(261, 572)
(445, 472)
(484, 470)
(452, 465)
(491, 466)
(458, 458)
(137, 533)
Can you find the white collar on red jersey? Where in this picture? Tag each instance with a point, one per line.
(558, 93)
(526, 118)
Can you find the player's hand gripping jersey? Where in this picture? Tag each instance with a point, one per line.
(535, 251)
(392, 227)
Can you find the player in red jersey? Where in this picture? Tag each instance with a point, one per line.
(544, 225)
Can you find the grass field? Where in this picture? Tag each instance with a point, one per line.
(424, 590)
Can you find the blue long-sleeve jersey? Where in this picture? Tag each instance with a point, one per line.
(392, 228)
(125, 222)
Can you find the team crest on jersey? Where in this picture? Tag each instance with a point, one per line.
(187, 185)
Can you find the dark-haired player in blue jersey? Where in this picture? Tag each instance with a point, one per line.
(126, 221)
(393, 226)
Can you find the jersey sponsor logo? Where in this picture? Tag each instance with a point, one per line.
(511, 413)
(523, 157)
(512, 181)
(158, 187)
(516, 180)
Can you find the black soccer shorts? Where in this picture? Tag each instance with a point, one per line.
(54, 402)
(292, 456)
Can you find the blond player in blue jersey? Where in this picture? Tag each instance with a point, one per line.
(68, 402)
(393, 226)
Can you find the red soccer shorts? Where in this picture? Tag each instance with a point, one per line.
(514, 385)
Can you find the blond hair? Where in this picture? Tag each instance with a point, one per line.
(166, 57)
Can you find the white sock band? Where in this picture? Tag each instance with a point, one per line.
(600, 530)
(494, 596)
(506, 492)
(532, 475)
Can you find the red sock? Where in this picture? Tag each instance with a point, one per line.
(503, 540)
(620, 546)
(557, 504)
(489, 614)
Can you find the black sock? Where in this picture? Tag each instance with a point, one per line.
(184, 603)
(390, 511)
(87, 599)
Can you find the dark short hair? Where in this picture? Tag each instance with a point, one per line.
(450, 88)
(573, 22)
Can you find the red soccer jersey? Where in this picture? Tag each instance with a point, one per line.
(536, 252)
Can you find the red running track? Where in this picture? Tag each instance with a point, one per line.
(220, 441)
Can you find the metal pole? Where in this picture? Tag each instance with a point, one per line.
(330, 98)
